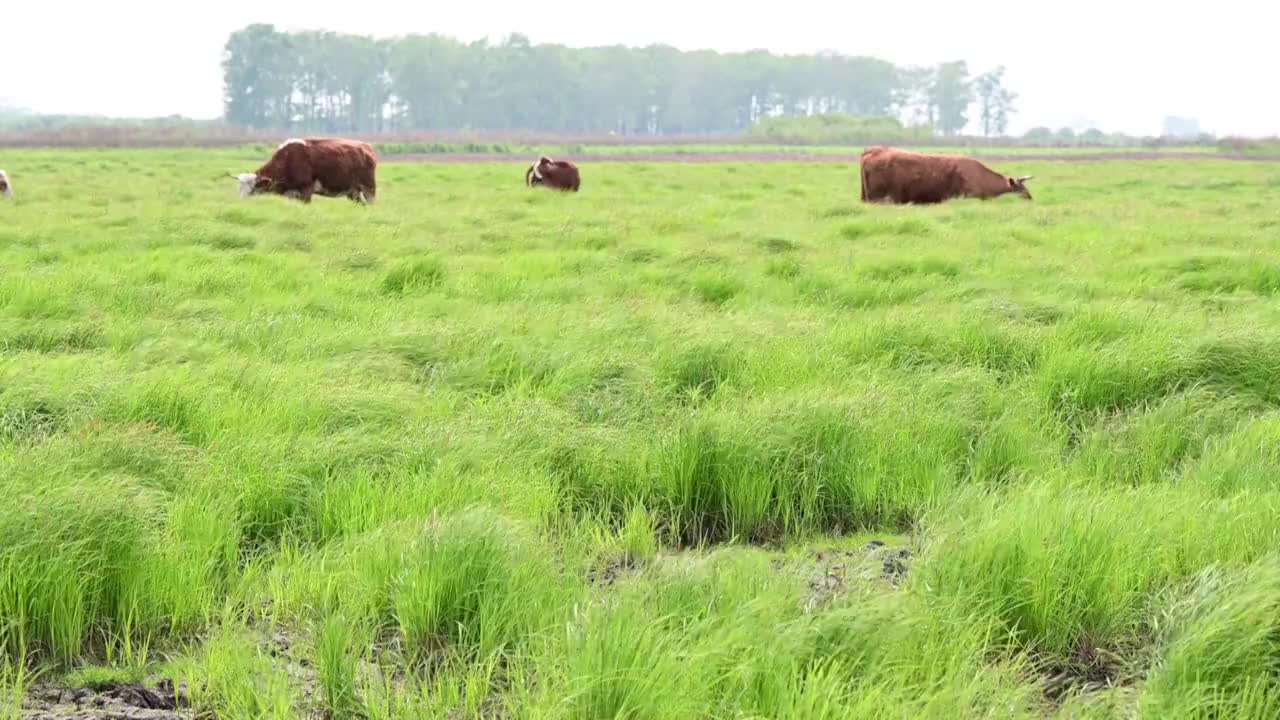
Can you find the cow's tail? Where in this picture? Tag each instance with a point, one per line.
(862, 168)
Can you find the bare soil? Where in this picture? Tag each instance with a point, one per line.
(128, 701)
(835, 568)
(747, 156)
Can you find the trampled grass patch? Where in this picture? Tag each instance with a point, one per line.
(485, 451)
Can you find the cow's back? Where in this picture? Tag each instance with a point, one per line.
(908, 177)
(872, 151)
(342, 166)
(562, 175)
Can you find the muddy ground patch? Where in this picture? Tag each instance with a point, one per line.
(117, 701)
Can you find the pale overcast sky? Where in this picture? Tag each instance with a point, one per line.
(1116, 64)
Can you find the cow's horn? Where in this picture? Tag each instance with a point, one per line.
(1025, 178)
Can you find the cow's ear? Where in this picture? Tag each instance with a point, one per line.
(1012, 183)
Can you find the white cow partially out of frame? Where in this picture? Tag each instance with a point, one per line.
(6, 187)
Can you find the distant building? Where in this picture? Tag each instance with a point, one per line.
(1181, 127)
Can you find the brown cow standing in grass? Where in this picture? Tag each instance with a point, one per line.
(902, 177)
(331, 167)
(6, 187)
(555, 174)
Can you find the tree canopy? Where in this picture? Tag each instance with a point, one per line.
(323, 81)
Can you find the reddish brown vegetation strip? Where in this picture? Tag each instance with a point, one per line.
(813, 157)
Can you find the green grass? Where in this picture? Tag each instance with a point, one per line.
(481, 451)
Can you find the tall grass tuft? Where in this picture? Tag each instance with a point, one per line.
(421, 274)
(464, 587)
(68, 565)
(1061, 569)
(339, 649)
(1218, 655)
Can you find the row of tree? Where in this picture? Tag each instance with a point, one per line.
(1093, 137)
(323, 81)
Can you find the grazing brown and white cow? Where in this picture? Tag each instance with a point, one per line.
(331, 167)
(6, 187)
(903, 177)
(555, 174)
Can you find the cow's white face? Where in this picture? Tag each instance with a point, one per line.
(246, 181)
(6, 187)
(537, 167)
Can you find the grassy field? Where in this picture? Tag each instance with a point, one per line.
(702, 441)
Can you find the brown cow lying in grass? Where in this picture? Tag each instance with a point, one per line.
(555, 174)
(902, 177)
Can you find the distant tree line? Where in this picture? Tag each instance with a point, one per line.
(833, 129)
(324, 81)
(1093, 137)
(12, 118)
